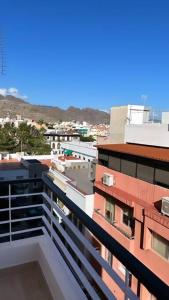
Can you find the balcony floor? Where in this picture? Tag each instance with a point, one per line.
(24, 282)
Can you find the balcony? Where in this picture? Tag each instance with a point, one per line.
(33, 229)
(114, 224)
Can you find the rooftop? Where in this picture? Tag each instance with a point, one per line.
(83, 184)
(150, 152)
(64, 157)
(6, 165)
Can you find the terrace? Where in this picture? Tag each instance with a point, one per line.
(35, 232)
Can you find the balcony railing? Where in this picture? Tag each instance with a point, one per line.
(34, 212)
(114, 224)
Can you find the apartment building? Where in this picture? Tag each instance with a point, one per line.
(132, 204)
(56, 138)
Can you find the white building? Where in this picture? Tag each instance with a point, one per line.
(82, 150)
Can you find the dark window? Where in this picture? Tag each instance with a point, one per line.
(4, 228)
(160, 245)
(114, 163)
(20, 188)
(162, 177)
(26, 212)
(23, 225)
(103, 159)
(4, 215)
(25, 235)
(145, 173)
(4, 203)
(109, 257)
(4, 189)
(110, 210)
(128, 167)
(26, 200)
(127, 216)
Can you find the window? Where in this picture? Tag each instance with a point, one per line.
(114, 163)
(145, 172)
(108, 257)
(127, 216)
(160, 245)
(128, 167)
(110, 210)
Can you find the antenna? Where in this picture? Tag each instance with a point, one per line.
(2, 56)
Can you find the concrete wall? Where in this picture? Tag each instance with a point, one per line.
(85, 202)
(118, 119)
(155, 134)
(122, 115)
(165, 117)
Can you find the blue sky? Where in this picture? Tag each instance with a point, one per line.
(87, 53)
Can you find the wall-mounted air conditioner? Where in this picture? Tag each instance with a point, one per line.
(165, 206)
(108, 179)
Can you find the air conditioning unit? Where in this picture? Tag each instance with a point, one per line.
(165, 206)
(108, 179)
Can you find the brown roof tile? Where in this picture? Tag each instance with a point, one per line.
(150, 152)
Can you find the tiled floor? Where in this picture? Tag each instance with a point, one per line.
(24, 282)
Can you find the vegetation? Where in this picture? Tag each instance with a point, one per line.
(89, 138)
(25, 138)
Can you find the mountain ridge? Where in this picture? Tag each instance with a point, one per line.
(13, 106)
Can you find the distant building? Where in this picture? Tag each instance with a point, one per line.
(55, 139)
(83, 150)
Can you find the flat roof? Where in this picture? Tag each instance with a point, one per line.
(8, 165)
(83, 184)
(156, 153)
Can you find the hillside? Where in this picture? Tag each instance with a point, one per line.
(13, 106)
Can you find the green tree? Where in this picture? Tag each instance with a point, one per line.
(25, 138)
(89, 138)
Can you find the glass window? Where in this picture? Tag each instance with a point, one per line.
(26, 235)
(160, 245)
(4, 215)
(114, 163)
(26, 200)
(4, 203)
(4, 228)
(26, 212)
(127, 215)
(145, 173)
(22, 225)
(4, 189)
(109, 257)
(128, 167)
(110, 210)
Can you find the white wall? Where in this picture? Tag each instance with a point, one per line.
(165, 117)
(61, 282)
(155, 134)
(85, 202)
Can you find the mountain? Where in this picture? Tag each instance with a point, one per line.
(16, 106)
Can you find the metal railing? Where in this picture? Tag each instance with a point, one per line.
(62, 232)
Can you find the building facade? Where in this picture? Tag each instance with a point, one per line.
(131, 182)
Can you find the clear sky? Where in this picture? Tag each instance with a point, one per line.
(87, 53)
